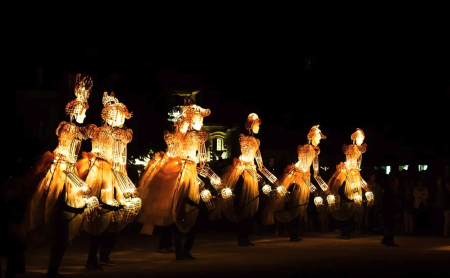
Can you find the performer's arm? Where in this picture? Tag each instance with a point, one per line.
(208, 173)
(358, 162)
(264, 170)
(317, 177)
(70, 209)
(109, 207)
(194, 204)
(202, 154)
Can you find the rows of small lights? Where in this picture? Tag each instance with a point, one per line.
(92, 208)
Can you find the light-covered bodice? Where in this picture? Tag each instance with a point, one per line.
(70, 137)
(353, 155)
(306, 154)
(249, 146)
(185, 145)
(173, 141)
(104, 140)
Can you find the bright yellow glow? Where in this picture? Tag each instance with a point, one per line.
(266, 189)
(226, 193)
(318, 201)
(92, 208)
(206, 195)
(281, 190)
(370, 198)
(215, 181)
(331, 199)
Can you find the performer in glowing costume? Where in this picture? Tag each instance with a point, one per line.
(348, 197)
(242, 178)
(105, 171)
(297, 181)
(170, 186)
(57, 207)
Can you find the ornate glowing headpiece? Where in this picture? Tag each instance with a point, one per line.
(113, 107)
(358, 133)
(252, 119)
(82, 91)
(190, 113)
(313, 131)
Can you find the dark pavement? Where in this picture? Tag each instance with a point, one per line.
(318, 255)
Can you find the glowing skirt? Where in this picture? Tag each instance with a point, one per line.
(298, 199)
(46, 205)
(152, 168)
(246, 202)
(164, 196)
(344, 210)
(102, 182)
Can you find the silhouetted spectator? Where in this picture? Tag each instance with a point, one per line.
(372, 212)
(408, 205)
(446, 174)
(438, 207)
(392, 210)
(447, 209)
(421, 204)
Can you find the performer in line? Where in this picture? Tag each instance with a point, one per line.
(297, 181)
(348, 196)
(242, 180)
(56, 208)
(170, 186)
(105, 171)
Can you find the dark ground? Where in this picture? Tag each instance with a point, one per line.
(318, 255)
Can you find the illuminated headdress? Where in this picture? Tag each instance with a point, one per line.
(313, 131)
(82, 91)
(190, 113)
(113, 107)
(358, 133)
(252, 119)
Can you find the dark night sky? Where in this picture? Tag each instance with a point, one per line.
(396, 91)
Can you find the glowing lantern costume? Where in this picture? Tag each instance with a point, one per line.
(105, 169)
(243, 171)
(61, 200)
(297, 180)
(62, 188)
(348, 197)
(170, 186)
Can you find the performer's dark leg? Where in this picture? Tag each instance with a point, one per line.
(190, 238)
(345, 227)
(58, 247)
(241, 233)
(244, 228)
(165, 238)
(294, 228)
(16, 258)
(389, 233)
(107, 243)
(92, 261)
(179, 246)
(249, 228)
